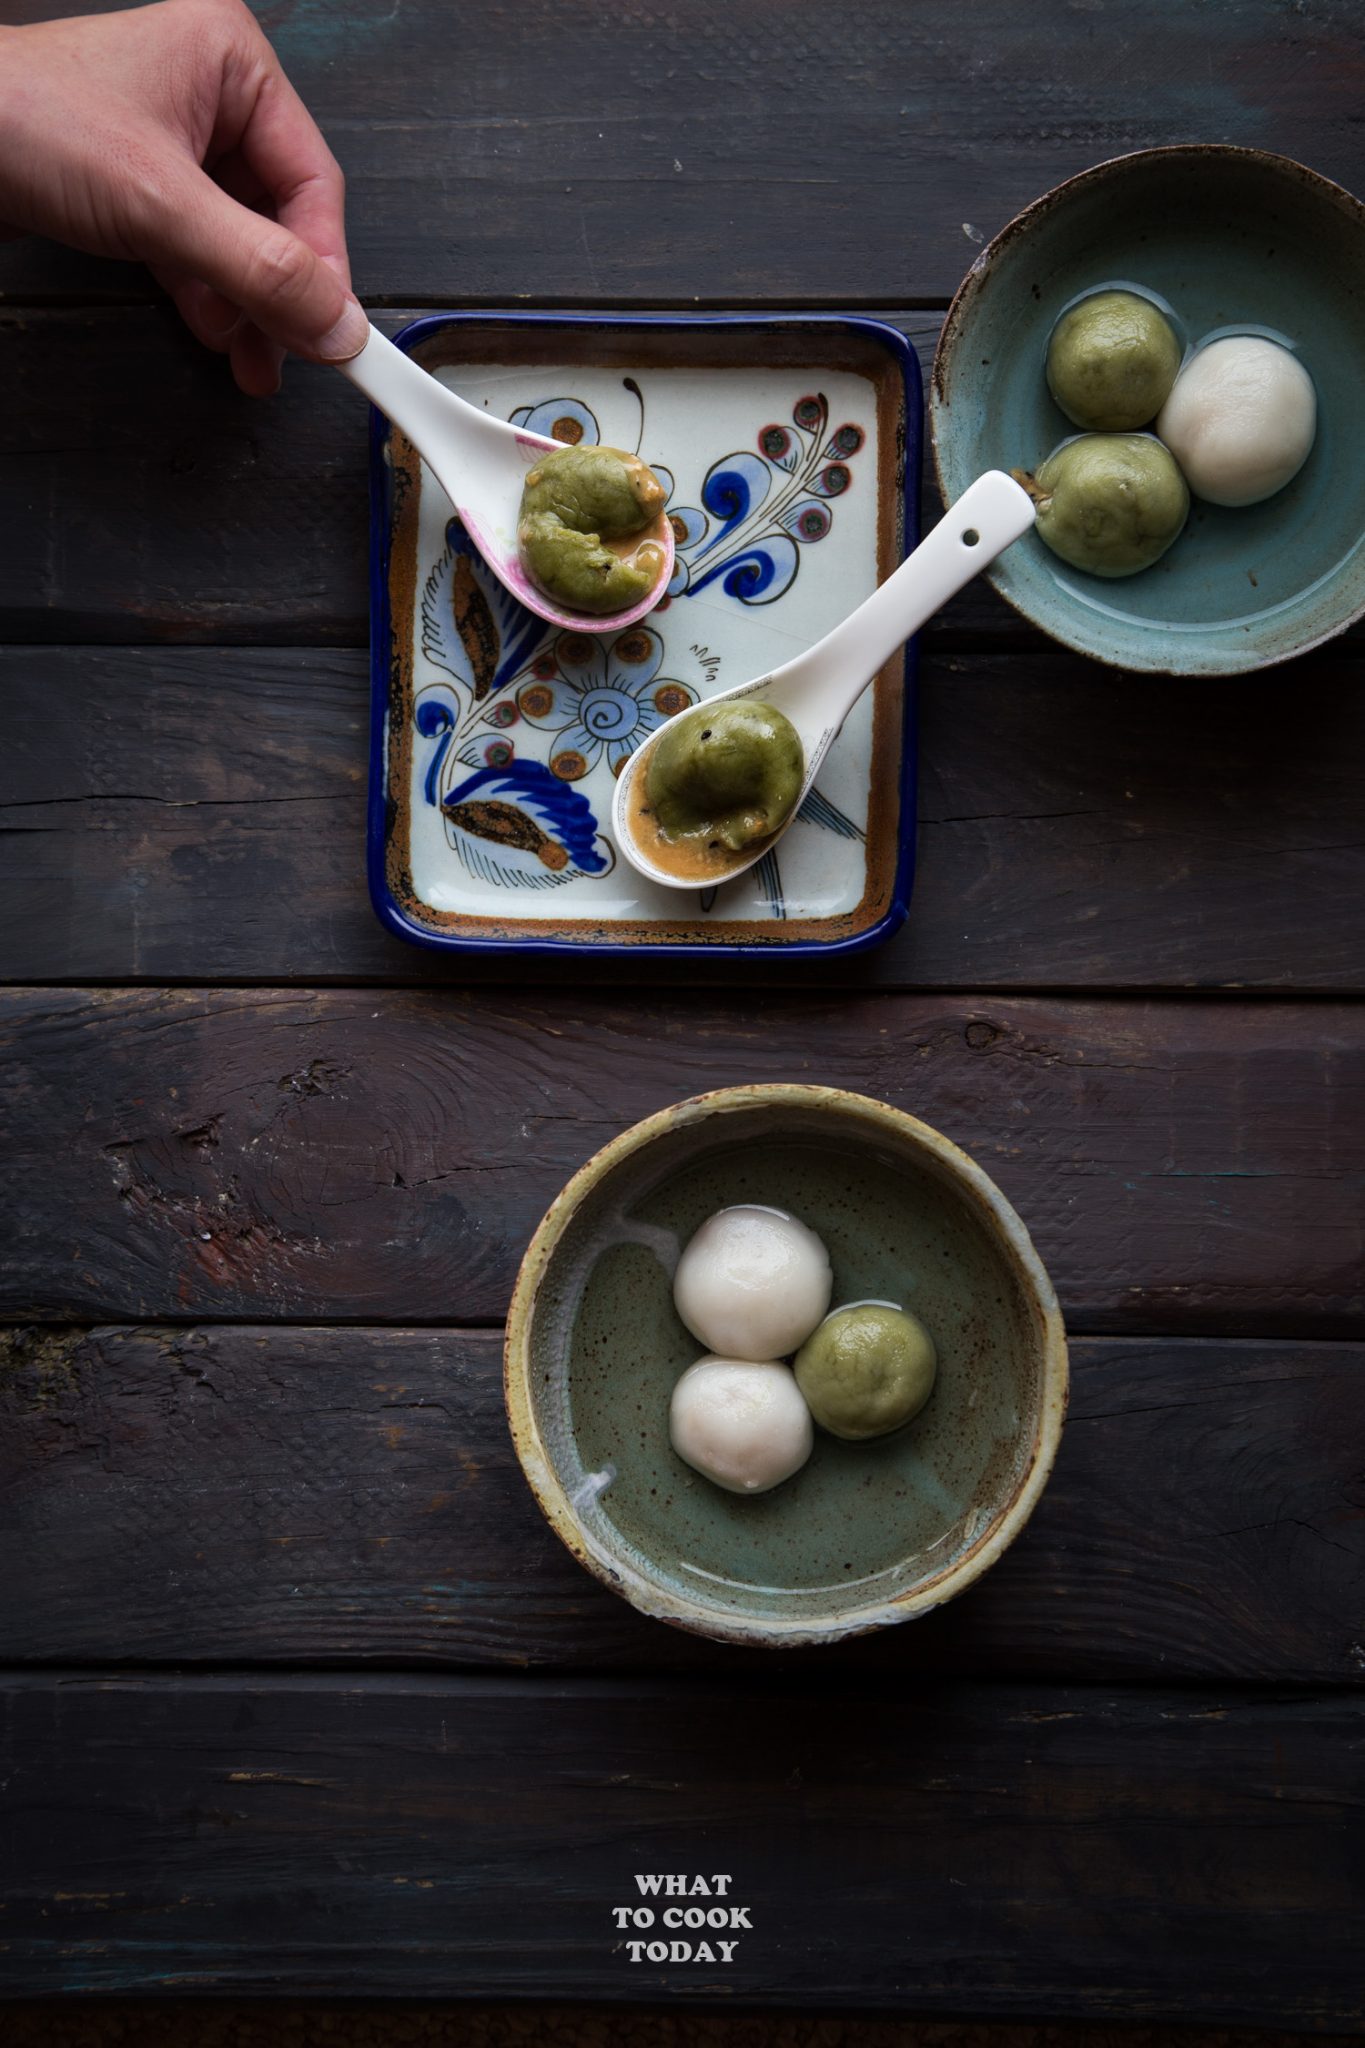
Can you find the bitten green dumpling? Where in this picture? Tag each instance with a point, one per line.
(867, 1370)
(1110, 503)
(578, 570)
(593, 490)
(575, 503)
(1111, 361)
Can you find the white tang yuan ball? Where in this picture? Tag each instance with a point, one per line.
(753, 1283)
(1240, 419)
(744, 1425)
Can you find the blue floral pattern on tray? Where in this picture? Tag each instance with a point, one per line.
(790, 450)
(522, 711)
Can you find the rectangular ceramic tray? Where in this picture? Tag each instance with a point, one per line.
(791, 449)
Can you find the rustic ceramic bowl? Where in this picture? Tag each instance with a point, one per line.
(1231, 238)
(865, 1535)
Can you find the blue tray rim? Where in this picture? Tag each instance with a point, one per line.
(388, 911)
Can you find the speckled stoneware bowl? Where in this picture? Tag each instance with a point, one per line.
(1231, 238)
(865, 1535)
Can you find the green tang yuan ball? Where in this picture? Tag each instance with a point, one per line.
(594, 490)
(575, 501)
(579, 571)
(867, 1370)
(1110, 503)
(731, 772)
(1111, 361)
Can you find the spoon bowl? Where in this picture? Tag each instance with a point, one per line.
(819, 688)
(481, 464)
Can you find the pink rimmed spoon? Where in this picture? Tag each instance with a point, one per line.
(481, 465)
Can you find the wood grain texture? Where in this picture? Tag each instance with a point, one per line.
(1076, 830)
(143, 498)
(351, 1496)
(381, 1156)
(989, 1850)
(648, 152)
(285, 1470)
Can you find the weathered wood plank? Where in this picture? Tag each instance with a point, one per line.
(288, 1496)
(380, 1156)
(152, 501)
(142, 498)
(1076, 829)
(969, 1849)
(648, 153)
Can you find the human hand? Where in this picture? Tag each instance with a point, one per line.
(170, 135)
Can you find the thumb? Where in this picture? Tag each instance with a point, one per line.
(289, 291)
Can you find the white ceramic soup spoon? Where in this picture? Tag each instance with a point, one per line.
(481, 464)
(819, 688)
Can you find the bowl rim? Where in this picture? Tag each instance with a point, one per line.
(971, 284)
(697, 1615)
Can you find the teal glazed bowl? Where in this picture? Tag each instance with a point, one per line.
(865, 1534)
(1232, 239)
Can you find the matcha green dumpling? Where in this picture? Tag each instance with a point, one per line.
(1110, 503)
(1111, 361)
(593, 490)
(575, 503)
(580, 572)
(867, 1370)
(728, 772)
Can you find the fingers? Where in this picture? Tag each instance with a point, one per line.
(210, 317)
(257, 362)
(260, 265)
(254, 248)
(283, 149)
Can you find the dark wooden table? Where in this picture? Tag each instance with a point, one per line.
(299, 1694)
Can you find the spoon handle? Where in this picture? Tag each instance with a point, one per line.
(427, 412)
(990, 514)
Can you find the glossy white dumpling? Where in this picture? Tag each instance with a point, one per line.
(753, 1283)
(744, 1425)
(1240, 419)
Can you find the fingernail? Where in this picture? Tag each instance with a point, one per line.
(347, 337)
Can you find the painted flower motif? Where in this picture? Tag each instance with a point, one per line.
(511, 811)
(562, 419)
(760, 509)
(689, 524)
(810, 522)
(536, 702)
(603, 699)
